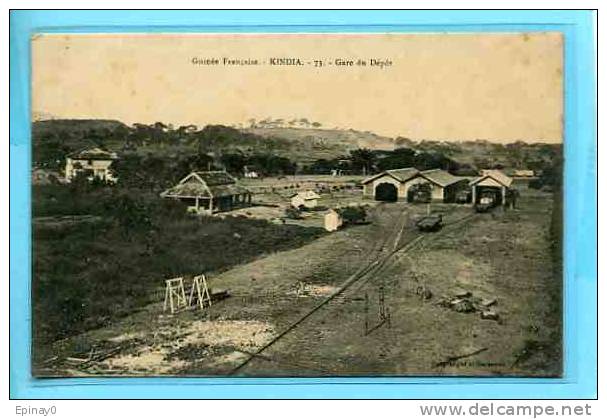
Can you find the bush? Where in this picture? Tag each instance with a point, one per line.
(293, 213)
(536, 183)
(353, 215)
(132, 215)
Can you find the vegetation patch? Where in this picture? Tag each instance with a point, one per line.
(88, 274)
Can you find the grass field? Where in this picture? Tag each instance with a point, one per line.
(92, 266)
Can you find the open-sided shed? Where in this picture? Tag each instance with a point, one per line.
(209, 192)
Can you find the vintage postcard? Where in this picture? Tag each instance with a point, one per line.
(271, 205)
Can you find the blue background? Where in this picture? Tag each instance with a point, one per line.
(580, 247)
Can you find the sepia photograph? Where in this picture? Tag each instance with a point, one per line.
(297, 204)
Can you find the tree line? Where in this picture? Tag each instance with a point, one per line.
(161, 153)
(364, 161)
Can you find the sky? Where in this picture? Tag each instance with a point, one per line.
(496, 87)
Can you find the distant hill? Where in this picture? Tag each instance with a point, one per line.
(486, 154)
(78, 133)
(326, 143)
(41, 116)
(314, 143)
(75, 127)
(54, 138)
(303, 145)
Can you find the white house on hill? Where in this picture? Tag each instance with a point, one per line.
(93, 162)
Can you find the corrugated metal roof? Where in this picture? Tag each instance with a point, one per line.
(196, 189)
(401, 175)
(496, 175)
(213, 178)
(227, 190)
(214, 184)
(187, 190)
(441, 177)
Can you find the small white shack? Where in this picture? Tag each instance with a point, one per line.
(306, 199)
(333, 220)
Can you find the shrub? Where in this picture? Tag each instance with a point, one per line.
(536, 183)
(353, 215)
(293, 213)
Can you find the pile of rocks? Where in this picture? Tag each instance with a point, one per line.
(465, 302)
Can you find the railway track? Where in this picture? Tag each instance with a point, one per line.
(377, 263)
(413, 244)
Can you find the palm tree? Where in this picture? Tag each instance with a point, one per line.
(363, 158)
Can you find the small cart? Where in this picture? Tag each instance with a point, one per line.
(430, 223)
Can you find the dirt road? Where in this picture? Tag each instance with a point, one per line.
(501, 256)
(348, 304)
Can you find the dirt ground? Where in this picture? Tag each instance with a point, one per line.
(380, 298)
(272, 197)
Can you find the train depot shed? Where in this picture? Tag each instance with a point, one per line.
(444, 185)
(389, 185)
(491, 181)
(209, 192)
(406, 184)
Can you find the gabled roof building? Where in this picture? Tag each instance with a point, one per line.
(94, 162)
(401, 184)
(491, 180)
(209, 192)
